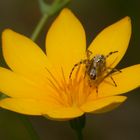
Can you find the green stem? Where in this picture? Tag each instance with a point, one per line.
(79, 134)
(78, 125)
(54, 8)
(25, 121)
(29, 127)
(39, 26)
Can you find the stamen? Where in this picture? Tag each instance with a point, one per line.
(63, 76)
(53, 85)
(73, 91)
(54, 79)
(65, 86)
(59, 88)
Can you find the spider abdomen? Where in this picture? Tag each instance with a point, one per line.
(96, 67)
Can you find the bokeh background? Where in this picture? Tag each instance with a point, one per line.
(120, 124)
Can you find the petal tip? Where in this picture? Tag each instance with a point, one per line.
(6, 31)
(127, 18)
(126, 21)
(123, 99)
(65, 10)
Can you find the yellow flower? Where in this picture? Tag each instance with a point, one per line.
(40, 85)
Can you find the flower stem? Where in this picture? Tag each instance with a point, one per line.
(28, 125)
(79, 134)
(39, 26)
(51, 10)
(78, 125)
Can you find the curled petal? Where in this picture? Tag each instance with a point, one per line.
(65, 113)
(40, 107)
(103, 105)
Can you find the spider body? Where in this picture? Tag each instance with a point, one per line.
(96, 68)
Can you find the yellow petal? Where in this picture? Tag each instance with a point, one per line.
(64, 113)
(40, 107)
(65, 41)
(113, 38)
(103, 105)
(27, 106)
(126, 81)
(17, 86)
(24, 56)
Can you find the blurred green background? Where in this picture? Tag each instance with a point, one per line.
(120, 124)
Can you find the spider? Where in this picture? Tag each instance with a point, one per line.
(96, 68)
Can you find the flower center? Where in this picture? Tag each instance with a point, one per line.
(73, 91)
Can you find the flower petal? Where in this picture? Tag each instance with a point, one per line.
(27, 106)
(23, 56)
(48, 108)
(30, 107)
(18, 86)
(64, 113)
(103, 105)
(65, 41)
(126, 81)
(113, 38)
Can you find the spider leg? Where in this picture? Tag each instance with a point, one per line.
(109, 75)
(85, 74)
(89, 53)
(77, 64)
(114, 70)
(89, 82)
(96, 86)
(110, 70)
(96, 89)
(111, 53)
(113, 81)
